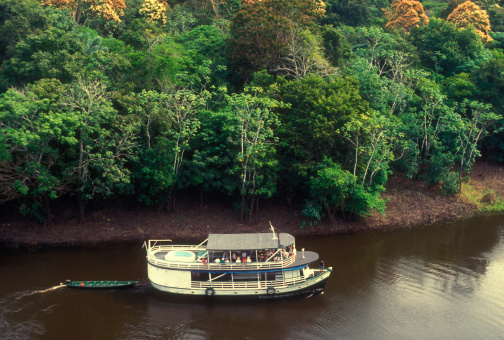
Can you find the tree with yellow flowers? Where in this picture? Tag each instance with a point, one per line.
(469, 13)
(108, 9)
(406, 15)
(154, 11)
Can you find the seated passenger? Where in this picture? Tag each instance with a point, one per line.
(248, 259)
(238, 260)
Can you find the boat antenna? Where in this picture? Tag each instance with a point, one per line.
(273, 231)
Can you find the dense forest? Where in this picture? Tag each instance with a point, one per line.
(314, 103)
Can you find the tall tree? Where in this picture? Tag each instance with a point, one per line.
(304, 55)
(108, 9)
(406, 15)
(104, 142)
(254, 139)
(169, 121)
(32, 132)
(154, 11)
(264, 29)
(477, 119)
(449, 50)
(52, 53)
(469, 13)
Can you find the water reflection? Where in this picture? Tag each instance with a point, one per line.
(443, 281)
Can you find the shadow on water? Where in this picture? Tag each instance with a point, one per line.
(443, 281)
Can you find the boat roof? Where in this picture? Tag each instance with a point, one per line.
(251, 241)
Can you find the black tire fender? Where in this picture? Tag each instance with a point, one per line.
(209, 291)
(270, 290)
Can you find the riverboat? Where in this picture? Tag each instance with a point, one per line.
(263, 265)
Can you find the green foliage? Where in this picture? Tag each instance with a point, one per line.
(214, 153)
(354, 12)
(448, 50)
(332, 103)
(337, 49)
(20, 19)
(264, 29)
(381, 65)
(253, 137)
(181, 19)
(331, 186)
(103, 141)
(363, 203)
(451, 183)
(31, 128)
(53, 53)
(314, 213)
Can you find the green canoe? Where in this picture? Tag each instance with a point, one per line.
(99, 284)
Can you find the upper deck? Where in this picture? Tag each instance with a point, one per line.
(156, 256)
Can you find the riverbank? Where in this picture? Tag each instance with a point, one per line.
(410, 204)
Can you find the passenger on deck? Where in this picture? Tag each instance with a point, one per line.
(238, 260)
(248, 259)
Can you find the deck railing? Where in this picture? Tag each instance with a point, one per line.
(151, 256)
(246, 285)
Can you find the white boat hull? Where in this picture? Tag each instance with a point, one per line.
(179, 282)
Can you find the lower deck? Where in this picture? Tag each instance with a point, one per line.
(236, 283)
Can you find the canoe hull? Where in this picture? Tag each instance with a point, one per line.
(100, 284)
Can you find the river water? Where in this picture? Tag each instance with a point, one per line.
(437, 282)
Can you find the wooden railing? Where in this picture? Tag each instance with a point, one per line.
(151, 256)
(247, 285)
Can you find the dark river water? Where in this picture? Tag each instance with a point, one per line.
(438, 282)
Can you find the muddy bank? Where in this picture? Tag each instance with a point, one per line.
(410, 204)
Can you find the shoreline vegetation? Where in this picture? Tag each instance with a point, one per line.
(410, 204)
(158, 119)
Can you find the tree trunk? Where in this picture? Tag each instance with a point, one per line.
(82, 206)
(257, 209)
(201, 200)
(243, 207)
(251, 209)
(45, 199)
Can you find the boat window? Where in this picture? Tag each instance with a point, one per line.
(271, 276)
(290, 274)
(196, 276)
(222, 278)
(245, 276)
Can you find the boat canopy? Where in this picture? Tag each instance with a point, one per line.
(253, 241)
